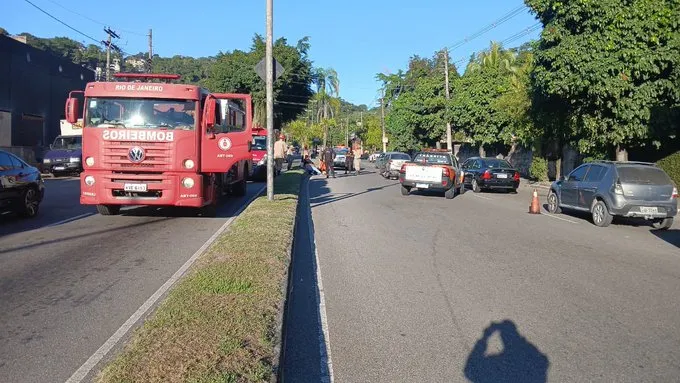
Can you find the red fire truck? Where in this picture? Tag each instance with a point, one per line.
(147, 141)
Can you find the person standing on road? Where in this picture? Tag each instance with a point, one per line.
(348, 160)
(289, 157)
(280, 149)
(328, 157)
(357, 159)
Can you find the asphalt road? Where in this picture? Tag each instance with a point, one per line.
(424, 289)
(66, 287)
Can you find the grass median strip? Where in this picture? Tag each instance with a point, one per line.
(218, 324)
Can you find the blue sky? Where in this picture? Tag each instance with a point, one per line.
(357, 38)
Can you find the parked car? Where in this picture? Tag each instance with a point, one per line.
(391, 162)
(482, 173)
(22, 188)
(432, 170)
(374, 156)
(625, 189)
(340, 155)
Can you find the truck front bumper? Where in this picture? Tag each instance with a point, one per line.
(167, 189)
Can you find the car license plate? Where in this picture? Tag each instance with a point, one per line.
(648, 210)
(501, 175)
(422, 186)
(135, 187)
(59, 168)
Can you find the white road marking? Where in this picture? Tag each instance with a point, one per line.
(85, 369)
(560, 218)
(324, 339)
(482, 197)
(67, 220)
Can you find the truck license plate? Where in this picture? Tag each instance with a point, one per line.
(135, 187)
(59, 168)
(501, 175)
(422, 186)
(648, 210)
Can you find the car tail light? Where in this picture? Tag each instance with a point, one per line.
(403, 169)
(516, 176)
(446, 172)
(486, 175)
(618, 189)
(675, 193)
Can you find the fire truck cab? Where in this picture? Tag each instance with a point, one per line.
(160, 143)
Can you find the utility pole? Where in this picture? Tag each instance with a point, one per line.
(150, 50)
(449, 140)
(382, 120)
(269, 68)
(347, 130)
(109, 45)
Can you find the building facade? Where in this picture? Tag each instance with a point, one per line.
(34, 86)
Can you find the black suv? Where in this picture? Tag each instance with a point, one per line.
(21, 186)
(626, 189)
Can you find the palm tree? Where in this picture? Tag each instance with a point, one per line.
(494, 57)
(327, 91)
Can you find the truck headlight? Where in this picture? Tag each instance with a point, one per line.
(189, 164)
(89, 161)
(188, 183)
(89, 180)
(46, 161)
(74, 159)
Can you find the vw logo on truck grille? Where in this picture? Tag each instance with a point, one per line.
(136, 154)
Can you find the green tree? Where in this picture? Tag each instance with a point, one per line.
(610, 67)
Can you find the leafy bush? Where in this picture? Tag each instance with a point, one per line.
(671, 165)
(539, 169)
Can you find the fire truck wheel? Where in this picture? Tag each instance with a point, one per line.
(108, 209)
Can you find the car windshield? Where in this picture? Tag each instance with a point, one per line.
(140, 113)
(496, 164)
(400, 156)
(259, 143)
(645, 175)
(433, 158)
(68, 143)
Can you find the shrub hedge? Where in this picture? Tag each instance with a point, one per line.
(671, 164)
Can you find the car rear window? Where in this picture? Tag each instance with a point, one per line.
(400, 156)
(497, 164)
(646, 175)
(433, 158)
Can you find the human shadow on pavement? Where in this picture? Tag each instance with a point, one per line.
(325, 196)
(517, 361)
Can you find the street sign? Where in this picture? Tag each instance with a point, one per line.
(261, 70)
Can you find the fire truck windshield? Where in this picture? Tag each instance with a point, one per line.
(140, 113)
(259, 143)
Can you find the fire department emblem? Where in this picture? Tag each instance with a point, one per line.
(136, 154)
(224, 143)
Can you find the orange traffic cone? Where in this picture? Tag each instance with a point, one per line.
(535, 207)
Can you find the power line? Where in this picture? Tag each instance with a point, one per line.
(493, 25)
(68, 26)
(93, 20)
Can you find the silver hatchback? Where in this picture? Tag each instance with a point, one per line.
(626, 189)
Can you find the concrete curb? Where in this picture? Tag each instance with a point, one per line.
(279, 348)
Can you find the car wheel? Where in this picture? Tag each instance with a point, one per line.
(553, 203)
(405, 190)
(475, 186)
(663, 224)
(461, 190)
(108, 209)
(601, 216)
(31, 203)
(449, 194)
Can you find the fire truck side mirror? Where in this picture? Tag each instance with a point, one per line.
(72, 110)
(209, 115)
